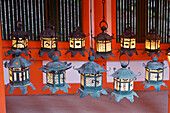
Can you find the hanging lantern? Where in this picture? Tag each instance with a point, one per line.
(103, 41)
(19, 73)
(123, 83)
(55, 72)
(152, 43)
(19, 40)
(49, 40)
(91, 79)
(77, 43)
(128, 43)
(154, 73)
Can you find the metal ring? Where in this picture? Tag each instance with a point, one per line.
(103, 21)
(127, 57)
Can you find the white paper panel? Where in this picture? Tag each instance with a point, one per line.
(72, 76)
(135, 66)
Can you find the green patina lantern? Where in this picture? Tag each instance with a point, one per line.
(154, 73)
(19, 73)
(55, 73)
(123, 82)
(49, 41)
(91, 79)
(19, 40)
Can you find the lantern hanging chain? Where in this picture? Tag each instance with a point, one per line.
(91, 23)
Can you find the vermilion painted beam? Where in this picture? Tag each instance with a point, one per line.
(2, 91)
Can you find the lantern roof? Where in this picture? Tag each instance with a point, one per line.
(17, 61)
(49, 32)
(19, 33)
(55, 65)
(153, 35)
(103, 36)
(127, 34)
(77, 34)
(154, 64)
(91, 67)
(124, 73)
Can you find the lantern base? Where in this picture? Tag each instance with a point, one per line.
(118, 97)
(95, 94)
(150, 52)
(156, 85)
(55, 89)
(104, 55)
(128, 51)
(50, 52)
(22, 88)
(11, 51)
(75, 51)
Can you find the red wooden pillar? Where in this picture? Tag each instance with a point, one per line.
(168, 58)
(2, 91)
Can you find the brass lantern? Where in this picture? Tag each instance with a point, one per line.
(77, 43)
(128, 43)
(19, 40)
(152, 43)
(103, 40)
(154, 73)
(19, 73)
(49, 39)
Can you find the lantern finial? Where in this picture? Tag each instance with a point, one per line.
(17, 52)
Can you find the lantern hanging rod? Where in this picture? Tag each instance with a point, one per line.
(91, 46)
(103, 1)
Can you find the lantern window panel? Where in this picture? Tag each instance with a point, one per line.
(47, 44)
(147, 44)
(124, 86)
(72, 43)
(61, 78)
(131, 85)
(160, 76)
(108, 46)
(133, 43)
(90, 81)
(27, 74)
(153, 76)
(126, 45)
(147, 75)
(10, 75)
(20, 76)
(116, 84)
(83, 43)
(53, 44)
(98, 81)
(56, 79)
(50, 78)
(15, 76)
(82, 80)
(23, 75)
(78, 44)
(154, 45)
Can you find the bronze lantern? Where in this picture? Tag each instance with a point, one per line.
(19, 40)
(77, 43)
(49, 39)
(152, 43)
(128, 43)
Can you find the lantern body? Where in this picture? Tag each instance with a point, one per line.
(55, 74)
(123, 83)
(103, 45)
(19, 73)
(152, 43)
(77, 43)
(49, 42)
(56, 79)
(128, 43)
(21, 44)
(19, 76)
(154, 73)
(91, 82)
(91, 79)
